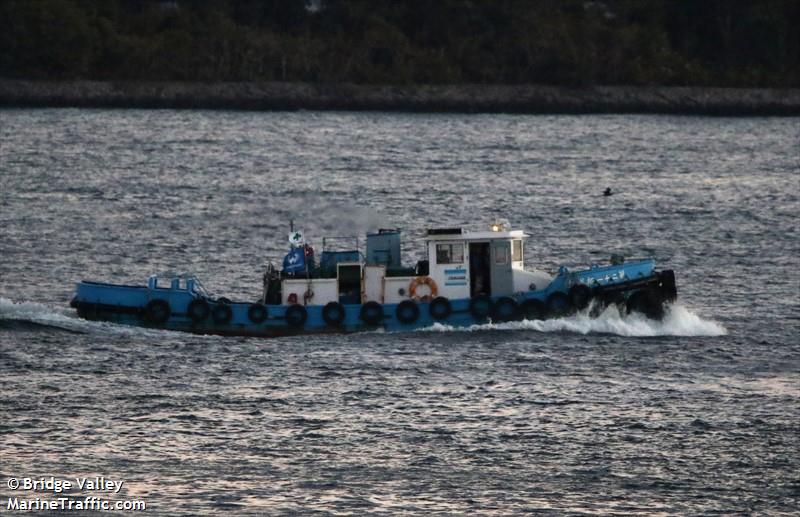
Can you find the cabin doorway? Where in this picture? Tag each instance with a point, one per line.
(349, 279)
(480, 273)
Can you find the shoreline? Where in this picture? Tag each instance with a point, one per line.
(523, 99)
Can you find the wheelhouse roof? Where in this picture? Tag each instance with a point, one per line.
(478, 236)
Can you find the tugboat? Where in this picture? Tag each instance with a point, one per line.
(468, 278)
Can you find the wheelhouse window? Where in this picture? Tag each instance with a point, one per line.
(450, 253)
(501, 255)
(516, 250)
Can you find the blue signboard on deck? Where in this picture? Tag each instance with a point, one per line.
(294, 261)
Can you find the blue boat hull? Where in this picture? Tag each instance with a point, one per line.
(634, 286)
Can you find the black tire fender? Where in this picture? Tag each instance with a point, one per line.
(157, 311)
(505, 309)
(440, 308)
(198, 310)
(222, 314)
(480, 307)
(667, 282)
(257, 313)
(407, 311)
(558, 304)
(333, 313)
(296, 315)
(371, 313)
(533, 309)
(648, 302)
(580, 296)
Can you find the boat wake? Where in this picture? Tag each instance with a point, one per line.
(33, 316)
(678, 321)
(37, 316)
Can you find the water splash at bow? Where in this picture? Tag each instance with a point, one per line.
(678, 321)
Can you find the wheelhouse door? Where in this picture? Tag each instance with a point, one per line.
(480, 280)
(349, 278)
(502, 276)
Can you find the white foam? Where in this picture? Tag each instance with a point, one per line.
(678, 321)
(35, 312)
(66, 318)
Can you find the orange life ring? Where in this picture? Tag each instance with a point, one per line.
(422, 280)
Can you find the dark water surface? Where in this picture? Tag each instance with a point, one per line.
(699, 414)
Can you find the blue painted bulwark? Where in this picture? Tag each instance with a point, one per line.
(320, 299)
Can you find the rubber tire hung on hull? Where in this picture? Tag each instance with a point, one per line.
(222, 314)
(480, 307)
(371, 313)
(407, 312)
(157, 311)
(505, 309)
(580, 295)
(646, 301)
(198, 310)
(257, 313)
(558, 304)
(533, 309)
(667, 285)
(333, 313)
(440, 308)
(296, 316)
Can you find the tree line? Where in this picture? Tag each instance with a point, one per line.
(560, 42)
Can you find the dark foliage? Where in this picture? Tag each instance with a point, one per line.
(565, 42)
